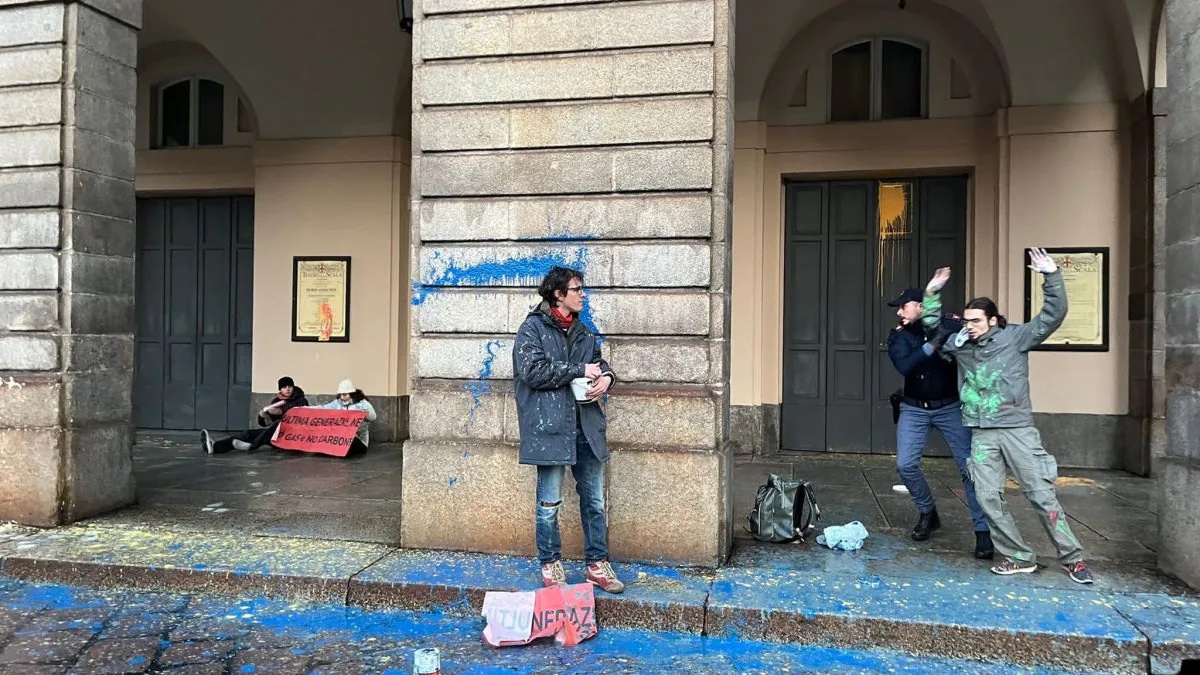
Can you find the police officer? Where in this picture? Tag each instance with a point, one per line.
(929, 399)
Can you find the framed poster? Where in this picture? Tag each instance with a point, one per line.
(320, 299)
(1085, 274)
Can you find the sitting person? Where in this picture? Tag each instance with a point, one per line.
(351, 398)
(290, 396)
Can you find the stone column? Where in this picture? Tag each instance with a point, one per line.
(595, 136)
(1145, 433)
(1179, 469)
(66, 257)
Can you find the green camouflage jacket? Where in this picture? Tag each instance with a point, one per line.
(993, 371)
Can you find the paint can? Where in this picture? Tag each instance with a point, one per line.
(427, 661)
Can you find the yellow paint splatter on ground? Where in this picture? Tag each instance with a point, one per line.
(1062, 481)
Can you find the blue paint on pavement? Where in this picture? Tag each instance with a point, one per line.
(950, 600)
(336, 636)
(648, 584)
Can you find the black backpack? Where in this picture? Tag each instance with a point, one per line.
(785, 510)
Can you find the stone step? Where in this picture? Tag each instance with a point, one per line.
(974, 618)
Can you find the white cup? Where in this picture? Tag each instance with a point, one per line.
(580, 386)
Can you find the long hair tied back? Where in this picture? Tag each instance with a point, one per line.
(989, 310)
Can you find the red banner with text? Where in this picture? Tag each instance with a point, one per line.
(320, 430)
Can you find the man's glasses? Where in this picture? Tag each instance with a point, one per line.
(574, 289)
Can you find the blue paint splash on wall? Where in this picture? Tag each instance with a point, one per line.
(526, 270)
(589, 320)
(479, 387)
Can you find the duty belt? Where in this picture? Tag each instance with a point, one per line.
(929, 405)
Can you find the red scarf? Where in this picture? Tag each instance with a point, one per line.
(563, 319)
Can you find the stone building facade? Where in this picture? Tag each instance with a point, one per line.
(742, 186)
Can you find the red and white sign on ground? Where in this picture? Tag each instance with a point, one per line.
(319, 430)
(566, 612)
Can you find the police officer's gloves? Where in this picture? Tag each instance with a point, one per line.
(937, 337)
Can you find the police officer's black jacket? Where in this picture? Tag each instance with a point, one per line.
(926, 378)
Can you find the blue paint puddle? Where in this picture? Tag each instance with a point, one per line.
(37, 598)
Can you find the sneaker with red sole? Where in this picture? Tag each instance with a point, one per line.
(601, 574)
(1008, 567)
(553, 574)
(1079, 573)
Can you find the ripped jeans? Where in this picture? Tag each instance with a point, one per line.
(589, 484)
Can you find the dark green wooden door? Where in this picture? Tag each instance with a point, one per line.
(195, 275)
(850, 246)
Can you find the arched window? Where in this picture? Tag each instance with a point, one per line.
(189, 113)
(877, 79)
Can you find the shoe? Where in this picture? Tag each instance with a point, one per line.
(206, 441)
(1010, 567)
(926, 525)
(1079, 573)
(983, 546)
(602, 574)
(553, 574)
(241, 445)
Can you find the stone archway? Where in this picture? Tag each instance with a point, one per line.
(969, 52)
(164, 61)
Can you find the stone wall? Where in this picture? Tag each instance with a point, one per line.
(1179, 468)
(66, 257)
(594, 136)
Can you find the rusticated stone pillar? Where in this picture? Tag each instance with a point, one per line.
(66, 257)
(1145, 437)
(595, 136)
(1179, 470)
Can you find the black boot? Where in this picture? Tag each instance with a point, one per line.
(926, 525)
(983, 545)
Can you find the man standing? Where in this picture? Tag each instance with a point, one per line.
(993, 380)
(552, 348)
(290, 396)
(930, 398)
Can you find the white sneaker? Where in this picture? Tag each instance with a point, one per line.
(241, 445)
(206, 440)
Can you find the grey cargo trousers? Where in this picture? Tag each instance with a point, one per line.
(994, 454)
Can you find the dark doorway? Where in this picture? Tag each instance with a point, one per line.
(850, 246)
(195, 291)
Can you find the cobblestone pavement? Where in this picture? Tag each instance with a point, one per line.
(48, 629)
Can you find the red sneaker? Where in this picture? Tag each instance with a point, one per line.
(553, 574)
(601, 574)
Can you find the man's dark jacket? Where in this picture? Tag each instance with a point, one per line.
(297, 400)
(926, 378)
(545, 360)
